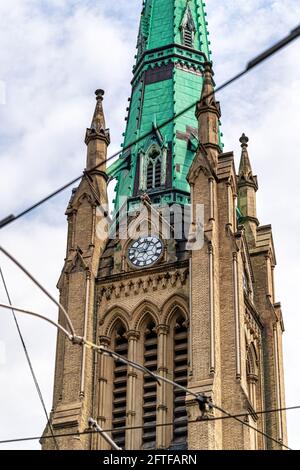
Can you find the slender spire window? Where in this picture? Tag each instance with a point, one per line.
(188, 28)
(119, 389)
(150, 388)
(154, 170)
(157, 175)
(150, 170)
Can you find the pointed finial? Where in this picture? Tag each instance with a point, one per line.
(207, 99)
(208, 71)
(98, 126)
(245, 170)
(99, 94)
(98, 121)
(244, 141)
(208, 84)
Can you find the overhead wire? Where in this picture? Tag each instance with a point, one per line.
(37, 315)
(294, 34)
(34, 377)
(39, 285)
(146, 425)
(78, 340)
(203, 401)
(94, 425)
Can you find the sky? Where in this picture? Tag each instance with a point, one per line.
(53, 55)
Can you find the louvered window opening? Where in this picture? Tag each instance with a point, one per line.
(150, 175)
(150, 389)
(119, 391)
(157, 174)
(180, 430)
(188, 39)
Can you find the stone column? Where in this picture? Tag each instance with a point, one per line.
(132, 395)
(103, 370)
(237, 315)
(212, 309)
(277, 385)
(162, 407)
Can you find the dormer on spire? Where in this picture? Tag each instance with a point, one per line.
(172, 47)
(188, 27)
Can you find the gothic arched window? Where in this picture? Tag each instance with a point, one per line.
(181, 377)
(157, 339)
(153, 168)
(119, 388)
(150, 387)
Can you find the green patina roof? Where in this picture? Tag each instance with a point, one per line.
(166, 79)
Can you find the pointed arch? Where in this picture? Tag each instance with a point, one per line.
(82, 198)
(152, 166)
(77, 263)
(145, 309)
(111, 318)
(252, 371)
(252, 359)
(172, 305)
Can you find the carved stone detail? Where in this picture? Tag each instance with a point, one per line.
(118, 290)
(251, 325)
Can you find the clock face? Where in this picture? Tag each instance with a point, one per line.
(145, 251)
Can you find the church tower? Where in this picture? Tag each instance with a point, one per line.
(182, 279)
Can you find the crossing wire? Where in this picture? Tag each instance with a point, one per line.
(158, 425)
(203, 401)
(8, 220)
(38, 388)
(294, 34)
(201, 398)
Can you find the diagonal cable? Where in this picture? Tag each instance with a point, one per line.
(204, 402)
(158, 425)
(38, 389)
(294, 34)
(202, 399)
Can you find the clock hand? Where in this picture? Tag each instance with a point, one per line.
(146, 249)
(148, 244)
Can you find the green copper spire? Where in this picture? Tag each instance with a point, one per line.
(167, 77)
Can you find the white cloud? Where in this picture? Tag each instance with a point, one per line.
(53, 55)
(265, 105)
(2, 353)
(2, 93)
(59, 60)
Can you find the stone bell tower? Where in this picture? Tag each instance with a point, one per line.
(182, 279)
